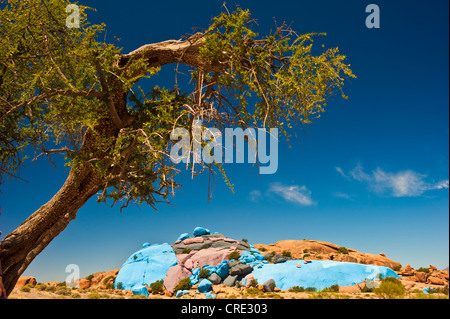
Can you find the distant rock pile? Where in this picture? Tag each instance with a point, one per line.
(320, 250)
(430, 275)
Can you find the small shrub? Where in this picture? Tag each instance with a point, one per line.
(119, 285)
(93, 295)
(89, 278)
(343, 250)
(25, 288)
(186, 251)
(397, 268)
(333, 288)
(254, 291)
(263, 249)
(286, 253)
(234, 255)
(306, 255)
(297, 289)
(61, 284)
(76, 296)
(305, 251)
(203, 273)
(41, 287)
(50, 288)
(390, 288)
(319, 257)
(206, 246)
(157, 287)
(254, 283)
(421, 269)
(245, 240)
(184, 284)
(310, 289)
(63, 291)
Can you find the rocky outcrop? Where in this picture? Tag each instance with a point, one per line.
(319, 250)
(430, 275)
(207, 241)
(26, 280)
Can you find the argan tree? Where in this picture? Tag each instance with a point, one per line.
(64, 92)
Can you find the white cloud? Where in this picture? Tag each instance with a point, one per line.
(295, 194)
(255, 195)
(340, 171)
(400, 184)
(342, 195)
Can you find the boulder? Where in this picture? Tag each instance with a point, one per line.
(248, 280)
(230, 281)
(319, 274)
(146, 266)
(199, 231)
(29, 280)
(183, 237)
(214, 278)
(205, 286)
(269, 285)
(174, 275)
(240, 269)
(278, 259)
(195, 240)
(181, 293)
(210, 295)
(435, 281)
(84, 284)
(420, 276)
(223, 269)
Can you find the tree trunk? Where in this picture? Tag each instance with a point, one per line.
(21, 246)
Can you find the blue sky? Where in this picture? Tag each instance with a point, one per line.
(370, 174)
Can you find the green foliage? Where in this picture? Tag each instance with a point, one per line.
(306, 255)
(333, 288)
(94, 295)
(186, 251)
(286, 253)
(234, 255)
(89, 278)
(305, 251)
(245, 240)
(397, 268)
(297, 289)
(56, 86)
(25, 288)
(203, 273)
(422, 269)
(157, 287)
(105, 281)
(439, 290)
(184, 284)
(390, 288)
(310, 289)
(343, 250)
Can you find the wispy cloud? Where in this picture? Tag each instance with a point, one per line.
(293, 193)
(397, 184)
(340, 171)
(255, 195)
(342, 195)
